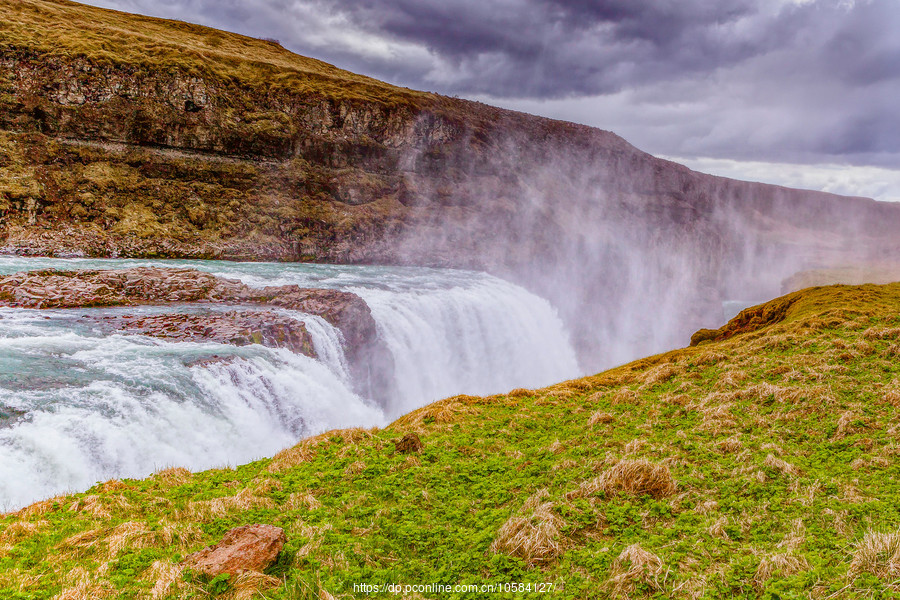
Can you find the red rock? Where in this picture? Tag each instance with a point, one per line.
(247, 548)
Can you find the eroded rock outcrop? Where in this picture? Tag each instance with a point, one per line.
(53, 288)
(238, 328)
(369, 360)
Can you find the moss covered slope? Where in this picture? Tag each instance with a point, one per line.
(762, 465)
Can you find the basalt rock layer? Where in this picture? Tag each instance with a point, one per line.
(369, 360)
(237, 328)
(129, 136)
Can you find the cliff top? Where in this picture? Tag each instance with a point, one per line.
(69, 29)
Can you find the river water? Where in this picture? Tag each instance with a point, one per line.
(78, 406)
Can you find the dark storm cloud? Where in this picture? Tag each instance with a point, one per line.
(545, 48)
(792, 80)
(506, 48)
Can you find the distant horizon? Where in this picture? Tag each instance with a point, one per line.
(798, 93)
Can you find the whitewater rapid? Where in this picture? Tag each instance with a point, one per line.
(78, 406)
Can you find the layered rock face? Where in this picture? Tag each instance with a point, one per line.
(134, 157)
(238, 328)
(369, 361)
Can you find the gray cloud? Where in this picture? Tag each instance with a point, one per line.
(811, 81)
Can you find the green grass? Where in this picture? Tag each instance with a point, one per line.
(781, 443)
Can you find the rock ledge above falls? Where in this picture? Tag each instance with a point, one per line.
(348, 312)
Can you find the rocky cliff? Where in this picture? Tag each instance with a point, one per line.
(129, 136)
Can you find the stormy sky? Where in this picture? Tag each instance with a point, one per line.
(797, 92)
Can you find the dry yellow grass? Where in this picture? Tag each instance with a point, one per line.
(164, 576)
(533, 535)
(16, 579)
(838, 520)
(882, 333)
(717, 529)
(301, 500)
(305, 450)
(783, 564)
(174, 476)
(782, 466)
(131, 534)
(247, 585)
(731, 445)
(659, 374)
(600, 417)
(41, 508)
(638, 477)
(845, 425)
(84, 539)
(635, 566)
(877, 553)
(355, 468)
(207, 510)
(20, 530)
(731, 379)
(795, 537)
(82, 585)
(892, 397)
(717, 419)
(624, 396)
(180, 535)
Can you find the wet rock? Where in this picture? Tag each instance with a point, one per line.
(247, 548)
(345, 310)
(236, 328)
(52, 288)
(9, 416)
(369, 360)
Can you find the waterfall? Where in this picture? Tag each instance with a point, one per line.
(86, 409)
(483, 338)
(78, 406)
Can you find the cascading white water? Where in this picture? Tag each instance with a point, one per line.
(328, 343)
(484, 338)
(90, 408)
(82, 407)
(449, 331)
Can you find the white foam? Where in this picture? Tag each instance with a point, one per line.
(140, 408)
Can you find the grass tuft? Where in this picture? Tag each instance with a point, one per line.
(533, 535)
(635, 567)
(638, 477)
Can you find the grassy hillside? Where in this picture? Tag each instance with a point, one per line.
(761, 465)
(69, 29)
